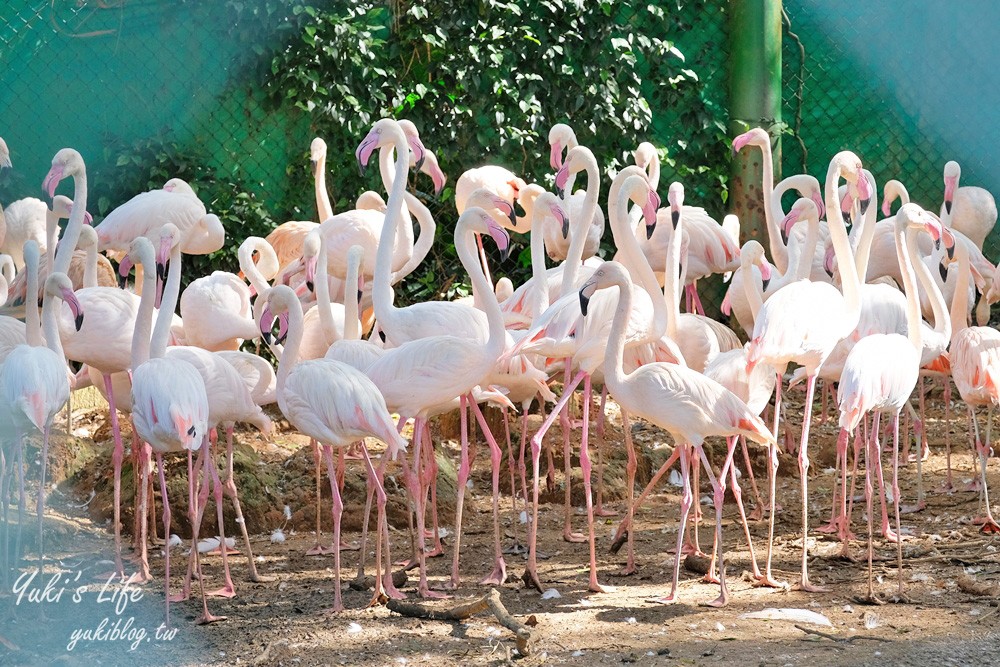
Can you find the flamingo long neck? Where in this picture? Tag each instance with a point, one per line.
(32, 326)
(802, 254)
(161, 332)
(425, 221)
(905, 254)
(64, 253)
(290, 353)
(779, 253)
(464, 243)
(672, 281)
(850, 284)
(896, 190)
(752, 291)
(960, 300)
(614, 370)
(352, 327)
(50, 323)
(51, 237)
(323, 206)
(538, 273)
(90, 267)
(580, 227)
(326, 322)
(387, 157)
(144, 315)
(250, 269)
(628, 246)
(382, 294)
(864, 247)
(942, 323)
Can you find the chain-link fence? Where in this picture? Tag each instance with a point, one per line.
(149, 89)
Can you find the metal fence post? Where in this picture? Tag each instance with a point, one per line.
(754, 101)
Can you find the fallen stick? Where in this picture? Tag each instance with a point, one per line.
(839, 640)
(490, 602)
(969, 585)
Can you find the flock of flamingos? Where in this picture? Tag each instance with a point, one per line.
(870, 311)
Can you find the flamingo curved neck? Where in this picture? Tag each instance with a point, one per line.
(578, 237)
(50, 324)
(144, 316)
(64, 253)
(538, 273)
(352, 327)
(864, 248)
(382, 293)
(423, 243)
(905, 240)
(326, 322)
(628, 245)
(32, 326)
(779, 253)
(755, 299)
(942, 323)
(51, 237)
(90, 267)
(850, 284)
(960, 300)
(614, 369)
(290, 353)
(323, 206)
(250, 269)
(464, 243)
(161, 332)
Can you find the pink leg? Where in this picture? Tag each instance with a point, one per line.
(758, 511)
(895, 499)
(338, 511)
(499, 573)
(871, 451)
(512, 472)
(804, 476)
(463, 477)
(586, 468)
(197, 502)
(738, 495)
(40, 508)
(601, 445)
(206, 458)
(624, 527)
(719, 492)
(118, 454)
(686, 502)
(432, 474)
(949, 486)
(840, 467)
(318, 549)
(423, 588)
(521, 467)
(886, 530)
(144, 493)
(228, 590)
(166, 531)
(692, 546)
(230, 489)
(989, 524)
(630, 469)
(376, 482)
(772, 478)
(564, 423)
(530, 576)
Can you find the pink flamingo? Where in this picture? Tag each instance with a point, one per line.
(881, 370)
(331, 402)
(803, 323)
(688, 405)
(169, 409)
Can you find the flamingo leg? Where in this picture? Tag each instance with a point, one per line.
(41, 496)
(686, 502)
(499, 573)
(630, 470)
(197, 502)
(585, 466)
(463, 477)
(601, 445)
(143, 508)
(423, 589)
(758, 511)
(338, 511)
(565, 427)
(895, 499)
(886, 529)
(772, 478)
(166, 531)
(870, 451)
(432, 474)
(692, 546)
(230, 488)
(228, 590)
(522, 468)
(512, 472)
(22, 499)
(738, 495)
(206, 617)
(719, 492)
(376, 483)
(318, 549)
(948, 485)
(990, 524)
(118, 454)
(624, 527)
(804, 477)
(839, 467)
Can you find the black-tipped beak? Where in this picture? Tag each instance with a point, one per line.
(765, 282)
(784, 237)
(649, 231)
(519, 211)
(942, 269)
(360, 295)
(937, 243)
(266, 335)
(310, 285)
(561, 193)
(79, 321)
(381, 335)
(361, 168)
(280, 338)
(947, 206)
(122, 281)
(675, 217)
(864, 205)
(828, 272)
(584, 302)
(505, 253)
(420, 163)
(846, 215)
(161, 271)
(513, 217)
(565, 228)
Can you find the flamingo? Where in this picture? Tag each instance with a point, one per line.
(34, 382)
(881, 370)
(967, 209)
(688, 405)
(802, 323)
(144, 215)
(333, 403)
(169, 410)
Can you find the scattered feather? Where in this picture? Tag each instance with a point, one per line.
(675, 479)
(551, 594)
(353, 628)
(174, 541)
(786, 614)
(278, 536)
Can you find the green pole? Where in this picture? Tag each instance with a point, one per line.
(754, 101)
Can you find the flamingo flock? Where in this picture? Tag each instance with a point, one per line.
(845, 307)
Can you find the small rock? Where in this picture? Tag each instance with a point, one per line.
(551, 594)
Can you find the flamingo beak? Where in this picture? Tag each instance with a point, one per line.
(949, 193)
(949, 242)
(563, 219)
(365, 150)
(438, 177)
(310, 272)
(555, 155)
(585, 298)
(52, 180)
(507, 209)
(419, 152)
(502, 239)
(282, 329)
(266, 324)
(74, 306)
(561, 177)
(787, 223)
(765, 273)
(817, 198)
(124, 269)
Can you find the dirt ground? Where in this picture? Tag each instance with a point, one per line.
(281, 622)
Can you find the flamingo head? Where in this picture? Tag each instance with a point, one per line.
(675, 196)
(52, 179)
(817, 198)
(67, 162)
(846, 204)
(269, 315)
(317, 153)
(501, 237)
(559, 213)
(419, 153)
(561, 136)
(765, 271)
(383, 132)
(432, 169)
(69, 297)
(607, 274)
(311, 247)
(756, 136)
(829, 258)
(866, 190)
(555, 154)
(506, 208)
(952, 172)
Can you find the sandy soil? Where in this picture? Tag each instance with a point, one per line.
(281, 622)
